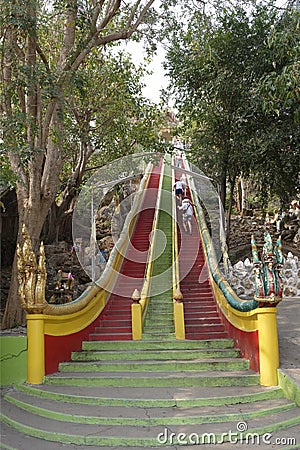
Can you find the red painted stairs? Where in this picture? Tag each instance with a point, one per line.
(114, 322)
(200, 311)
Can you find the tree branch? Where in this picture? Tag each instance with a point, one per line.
(43, 58)
(111, 10)
(69, 36)
(125, 33)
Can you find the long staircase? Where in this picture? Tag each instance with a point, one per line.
(156, 392)
(200, 311)
(114, 322)
(159, 323)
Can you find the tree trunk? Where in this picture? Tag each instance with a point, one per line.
(58, 224)
(223, 190)
(33, 217)
(42, 120)
(14, 315)
(230, 205)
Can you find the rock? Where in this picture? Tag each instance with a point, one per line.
(242, 279)
(239, 266)
(289, 291)
(240, 290)
(247, 263)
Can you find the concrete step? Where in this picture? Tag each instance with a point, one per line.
(158, 335)
(133, 415)
(154, 345)
(13, 439)
(139, 366)
(162, 379)
(154, 355)
(126, 435)
(154, 397)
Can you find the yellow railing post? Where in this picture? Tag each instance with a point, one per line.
(179, 325)
(36, 348)
(179, 315)
(141, 300)
(268, 346)
(136, 316)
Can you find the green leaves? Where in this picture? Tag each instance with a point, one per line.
(235, 74)
(279, 86)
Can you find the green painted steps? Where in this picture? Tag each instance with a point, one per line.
(133, 415)
(159, 335)
(150, 345)
(126, 435)
(162, 379)
(160, 364)
(118, 394)
(137, 355)
(129, 409)
(122, 390)
(153, 397)
(13, 437)
(159, 323)
(141, 365)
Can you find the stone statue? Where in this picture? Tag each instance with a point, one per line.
(31, 276)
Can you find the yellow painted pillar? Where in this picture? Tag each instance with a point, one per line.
(268, 346)
(136, 317)
(179, 320)
(36, 348)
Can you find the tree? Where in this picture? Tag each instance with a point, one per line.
(216, 62)
(214, 65)
(42, 48)
(277, 149)
(279, 86)
(106, 117)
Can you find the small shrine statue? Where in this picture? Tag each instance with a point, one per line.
(268, 271)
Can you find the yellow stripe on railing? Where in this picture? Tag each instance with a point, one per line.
(82, 312)
(177, 295)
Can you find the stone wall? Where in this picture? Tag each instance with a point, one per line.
(241, 278)
(241, 230)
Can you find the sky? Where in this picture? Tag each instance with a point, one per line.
(158, 80)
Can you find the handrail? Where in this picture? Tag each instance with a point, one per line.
(177, 295)
(242, 315)
(176, 280)
(139, 309)
(87, 307)
(233, 299)
(106, 281)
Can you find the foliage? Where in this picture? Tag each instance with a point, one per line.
(105, 108)
(280, 85)
(219, 63)
(46, 48)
